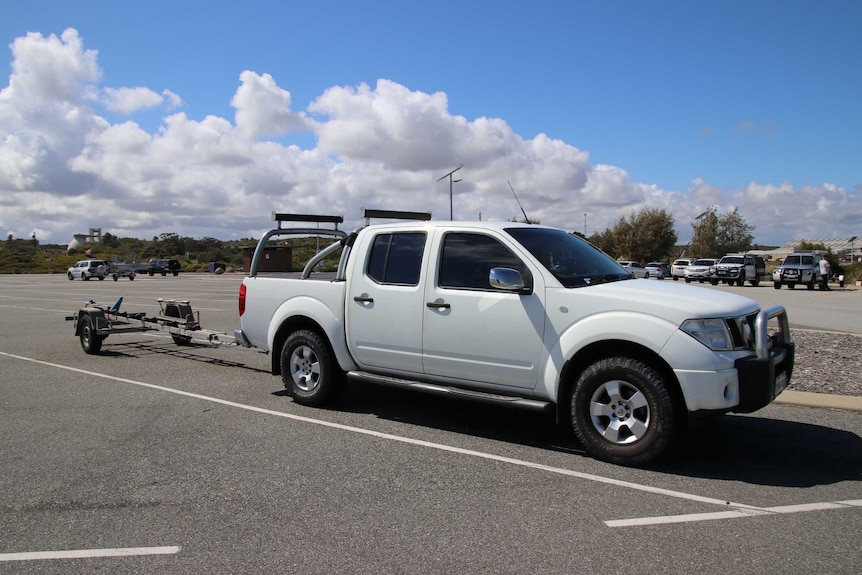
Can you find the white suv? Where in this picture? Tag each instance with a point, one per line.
(677, 269)
(86, 269)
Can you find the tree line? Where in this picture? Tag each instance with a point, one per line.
(649, 235)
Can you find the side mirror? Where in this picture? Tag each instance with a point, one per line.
(508, 280)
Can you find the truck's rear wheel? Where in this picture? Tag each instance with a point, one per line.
(623, 412)
(309, 369)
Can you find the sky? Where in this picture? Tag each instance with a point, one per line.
(202, 117)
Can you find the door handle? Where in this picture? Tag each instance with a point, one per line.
(363, 299)
(438, 305)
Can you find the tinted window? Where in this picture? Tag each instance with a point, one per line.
(468, 258)
(573, 261)
(396, 258)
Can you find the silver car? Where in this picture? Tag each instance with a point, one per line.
(636, 269)
(86, 269)
(699, 270)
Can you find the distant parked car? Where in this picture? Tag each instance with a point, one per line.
(677, 269)
(86, 269)
(739, 268)
(801, 267)
(164, 267)
(658, 270)
(635, 268)
(699, 270)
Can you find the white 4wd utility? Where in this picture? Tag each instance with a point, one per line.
(518, 315)
(800, 267)
(86, 269)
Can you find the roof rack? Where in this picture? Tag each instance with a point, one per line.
(394, 215)
(283, 217)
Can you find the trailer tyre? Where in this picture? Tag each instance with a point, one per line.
(181, 339)
(309, 369)
(90, 342)
(623, 412)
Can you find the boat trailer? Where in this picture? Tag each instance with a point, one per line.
(95, 322)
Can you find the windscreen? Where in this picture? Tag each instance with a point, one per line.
(572, 260)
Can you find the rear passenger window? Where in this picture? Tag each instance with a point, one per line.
(396, 258)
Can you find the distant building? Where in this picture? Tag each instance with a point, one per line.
(94, 235)
(842, 247)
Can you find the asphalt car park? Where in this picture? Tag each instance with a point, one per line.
(153, 457)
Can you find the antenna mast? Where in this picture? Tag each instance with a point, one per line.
(526, 219)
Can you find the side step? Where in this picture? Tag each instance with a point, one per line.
(461, 393)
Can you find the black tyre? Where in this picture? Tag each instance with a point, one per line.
(309, 369)
(755, 282)
(116, 277)
(101, 278)
(176, 273)
(714, 282)
(741, 281)
(90, 342)
(70, 276)
(181, 339)
(791, 286)
(151, 273)
(622, 411)
(777, 285)
(810, 285)
(688, 281)
(85, 277)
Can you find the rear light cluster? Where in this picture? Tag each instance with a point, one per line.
(241, 299)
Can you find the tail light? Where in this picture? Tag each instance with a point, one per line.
(241, 299)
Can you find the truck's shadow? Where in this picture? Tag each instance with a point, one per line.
(747, 448)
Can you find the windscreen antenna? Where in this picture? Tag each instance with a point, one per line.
(526, 219)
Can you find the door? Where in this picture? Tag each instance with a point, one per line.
(475, 332)
(385, 302)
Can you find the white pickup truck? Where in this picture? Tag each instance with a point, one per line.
(515, 314)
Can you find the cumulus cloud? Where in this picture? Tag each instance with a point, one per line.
(262, 108)
(64, 168)
(127, 101)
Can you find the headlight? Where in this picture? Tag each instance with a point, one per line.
(712, 333)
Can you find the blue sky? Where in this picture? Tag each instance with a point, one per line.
(675, 105)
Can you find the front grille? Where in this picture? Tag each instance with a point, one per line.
(742, 330)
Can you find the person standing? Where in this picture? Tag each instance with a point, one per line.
(825, 271)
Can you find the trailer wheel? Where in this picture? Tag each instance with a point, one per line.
(181, 339)
(309, 369)
(623, 412)
(90, 342)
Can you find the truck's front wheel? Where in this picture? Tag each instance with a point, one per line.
(623, 412)
(309, 369)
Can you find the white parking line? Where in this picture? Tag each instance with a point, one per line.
(89, 553)
(732, 509)
(734, 514)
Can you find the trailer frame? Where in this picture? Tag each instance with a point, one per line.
(95, 322)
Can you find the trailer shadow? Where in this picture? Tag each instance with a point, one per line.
(189, 351)
(751, 449)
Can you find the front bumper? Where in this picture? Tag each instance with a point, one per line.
(763, 377)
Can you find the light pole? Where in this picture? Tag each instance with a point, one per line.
(451, 181)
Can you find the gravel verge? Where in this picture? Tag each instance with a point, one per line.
(827, 362)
